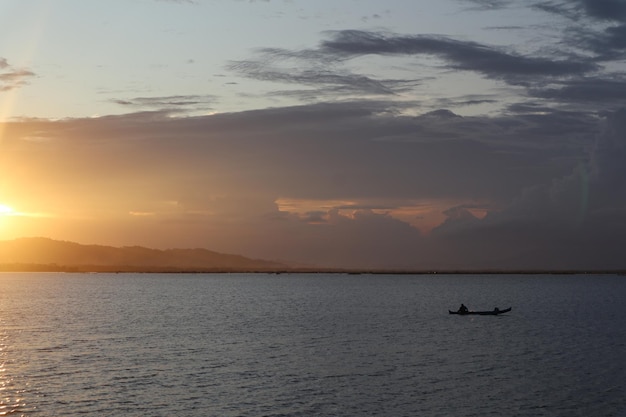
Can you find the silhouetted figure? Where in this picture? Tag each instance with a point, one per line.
(496, 310)
(463, 309)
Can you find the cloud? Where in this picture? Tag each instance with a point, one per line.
(607, 10)
(315, 70)
(353, 149)
(602, 92)
(608, 167)
(575, 64)
(595, 26)
(463, 55)
(575, 221)
(612, 10)
(169, 102)
(179, 1)
(325, 70)
(215, 181)
(608, 45)
(11, 77)
(375, 169)
(490, 4)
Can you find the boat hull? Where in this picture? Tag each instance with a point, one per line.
(480, 313)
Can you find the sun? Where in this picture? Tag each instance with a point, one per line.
(6, 213)
(6, 210)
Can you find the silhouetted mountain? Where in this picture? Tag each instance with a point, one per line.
(49, 254)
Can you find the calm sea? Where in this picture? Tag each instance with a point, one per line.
(311, 345)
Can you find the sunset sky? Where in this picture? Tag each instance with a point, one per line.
(344, 133)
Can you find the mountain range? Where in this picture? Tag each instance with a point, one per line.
(43, 254)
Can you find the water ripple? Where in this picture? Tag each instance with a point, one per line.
(242, 345)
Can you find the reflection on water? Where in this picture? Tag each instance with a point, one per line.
(11, 396)
(304, 345)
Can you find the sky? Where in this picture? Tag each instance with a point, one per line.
(421, 134)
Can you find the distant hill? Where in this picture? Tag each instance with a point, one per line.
(43, 254)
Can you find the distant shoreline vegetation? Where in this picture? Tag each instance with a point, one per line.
(19, 267)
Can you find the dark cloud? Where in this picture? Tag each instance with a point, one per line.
(468, 100)
(574, 69)
(603, 93)
(616, 37)
(607, 45)
(612, 10)
(608, 167)
(345, 150)
(315, 217)
(322, 69)
(223, 173)
(577, 221)
(607, 10)
(325, 79)
(596, 26)
(463, 55)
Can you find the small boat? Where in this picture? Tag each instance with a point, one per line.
(493, 312)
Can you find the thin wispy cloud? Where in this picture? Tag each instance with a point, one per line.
(169, 102)
(11, 77)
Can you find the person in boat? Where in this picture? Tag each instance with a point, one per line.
(463, 309)
(496, 310)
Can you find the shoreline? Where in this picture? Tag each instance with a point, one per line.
(16, 268)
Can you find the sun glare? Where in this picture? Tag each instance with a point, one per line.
(6, 210)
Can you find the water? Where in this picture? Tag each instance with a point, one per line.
(311, 345)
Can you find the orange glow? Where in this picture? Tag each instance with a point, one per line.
(8, 211)
(423, 215)
(5, 213)
(15, 222)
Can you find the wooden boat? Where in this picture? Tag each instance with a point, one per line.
(493, 312)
